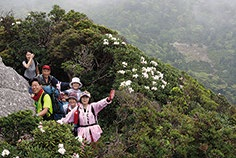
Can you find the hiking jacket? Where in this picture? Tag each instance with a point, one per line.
(53, 82)
(87, 120)
(78, 92)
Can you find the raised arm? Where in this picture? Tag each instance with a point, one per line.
(98, 106)
(27, 65)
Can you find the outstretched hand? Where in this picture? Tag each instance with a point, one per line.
(111, 95)
(58, 85)
(60, 122)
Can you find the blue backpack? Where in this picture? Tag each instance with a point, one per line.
(57, 105)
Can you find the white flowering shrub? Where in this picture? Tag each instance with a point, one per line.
(135, 72)
(47, 139)
(7, 150)
(111, 40)
(56, 137)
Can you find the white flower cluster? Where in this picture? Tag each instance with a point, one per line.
(121, 72)
(124, 64)
(17, 23)
(61, 149)
(125, 83)
(148, 72)
(154, 63)
(134, 70)
(75, 155)
(5, 152)
(135, 76)
(40, 126)
(79, 138)
(143, 61)
(112, 40)
(130, 89)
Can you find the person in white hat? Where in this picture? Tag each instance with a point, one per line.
(75, 86)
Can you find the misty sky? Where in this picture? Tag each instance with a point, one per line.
(25, 6)
(21, 8)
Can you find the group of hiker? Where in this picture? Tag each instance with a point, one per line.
(76, 106)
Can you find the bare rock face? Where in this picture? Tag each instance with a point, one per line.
(14, 94)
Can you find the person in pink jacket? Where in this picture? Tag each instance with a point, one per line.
(85, 116)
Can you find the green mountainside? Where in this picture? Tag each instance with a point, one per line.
(192, 35)
(158, 110)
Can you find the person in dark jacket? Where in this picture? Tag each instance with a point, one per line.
(47, 79)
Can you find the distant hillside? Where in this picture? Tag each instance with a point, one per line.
(158, 110)
(154, 26)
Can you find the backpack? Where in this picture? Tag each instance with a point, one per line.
(76, 120)
(57, 104)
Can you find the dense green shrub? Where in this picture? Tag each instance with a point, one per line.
(17, 124)
(40, 139)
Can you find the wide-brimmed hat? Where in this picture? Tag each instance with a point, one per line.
(46, 67)
(76, 80)
(85, 93)
(73, 96)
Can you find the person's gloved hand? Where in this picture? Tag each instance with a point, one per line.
(111, 95)
(60, 122)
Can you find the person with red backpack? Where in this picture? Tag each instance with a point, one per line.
(84, 116)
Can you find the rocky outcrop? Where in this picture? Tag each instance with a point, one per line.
(14, 94)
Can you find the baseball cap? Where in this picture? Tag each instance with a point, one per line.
(46, 67)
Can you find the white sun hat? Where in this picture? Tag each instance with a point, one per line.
(76, 80)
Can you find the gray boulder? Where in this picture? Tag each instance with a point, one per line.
(14, 94)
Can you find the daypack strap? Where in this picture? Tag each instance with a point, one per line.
(95, 117)
(42, 101)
